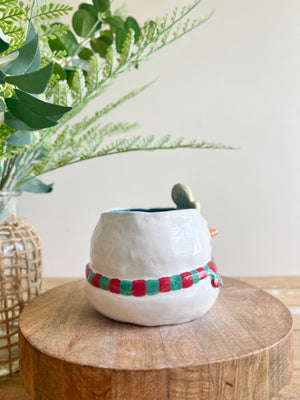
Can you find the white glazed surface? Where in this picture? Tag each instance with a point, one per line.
(142, 245)
(161, 309)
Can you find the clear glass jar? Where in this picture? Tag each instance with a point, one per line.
(8, 205)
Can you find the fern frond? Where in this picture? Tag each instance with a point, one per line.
(62, 94)
(78, 88)
(48, 56)
(86, 122)
(175, 26)
(50, 87)
(174, 15)
(49, 10)
(52, 31)
(136, 143)
(7, 3)
(82, 147)
(95, 73)
(11, 14)
(111, 129)
(127, 47)
(110, 61)
(15, 35)
(148, 34)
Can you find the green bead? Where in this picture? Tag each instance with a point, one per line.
(175, 282)
(104, 282)
(152, 287)
(91, 276)
(126, 288)
(195, 276)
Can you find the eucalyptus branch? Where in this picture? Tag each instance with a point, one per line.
(89, 35)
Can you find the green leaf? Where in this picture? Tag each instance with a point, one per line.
(2, 104)
(40, 107)
(115, 22)
(132, 23)
(7, 59)
(26, 56)
(58, 70)
(19, 139)
(31, 33)
(88, 7)
(36, 62)
(33, 82)
(101, 45)
(2, 77)
(66, 42)
(83, 21)
(1, 167)
(15, 123)
(102, 5)
(85, 54)
(4, 45)
(24, 114)
(36, 186)
(108, 34)
(120, 39)
(83, 64)
(35, 65)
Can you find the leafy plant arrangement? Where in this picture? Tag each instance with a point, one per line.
(43, 87)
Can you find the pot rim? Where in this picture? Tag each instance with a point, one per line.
(150, 211)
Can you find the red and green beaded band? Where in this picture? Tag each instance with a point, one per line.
(150, 287)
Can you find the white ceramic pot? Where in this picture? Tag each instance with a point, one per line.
(152, 267)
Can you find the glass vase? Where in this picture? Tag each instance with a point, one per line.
(8, 205)
(20, 276)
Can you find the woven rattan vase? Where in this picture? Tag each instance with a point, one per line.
(20, 281)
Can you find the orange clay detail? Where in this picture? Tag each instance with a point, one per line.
(213, 232)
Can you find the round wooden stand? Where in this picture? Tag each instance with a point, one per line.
(241, 349)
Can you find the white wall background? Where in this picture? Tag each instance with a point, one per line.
(235, 80)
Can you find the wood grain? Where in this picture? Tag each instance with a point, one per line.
(12, 389)
(242, 349)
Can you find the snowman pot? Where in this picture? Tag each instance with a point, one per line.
(153, 267)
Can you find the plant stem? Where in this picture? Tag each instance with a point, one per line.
(89, 35)
(31, 15)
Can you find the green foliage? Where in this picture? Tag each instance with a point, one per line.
(34, 185)
(95, 73)
(21, 70)
(48, 10)
(70, 67)
(78, 87)
(19, 139)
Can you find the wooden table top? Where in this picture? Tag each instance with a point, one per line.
(287, 289)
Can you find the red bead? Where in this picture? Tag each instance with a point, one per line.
(212, 266)
(95, 280)
(139, 288)
(164, 285)
(114, 285)
(216, 283)
(202, 273)
(88, 271)
(187, 280)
